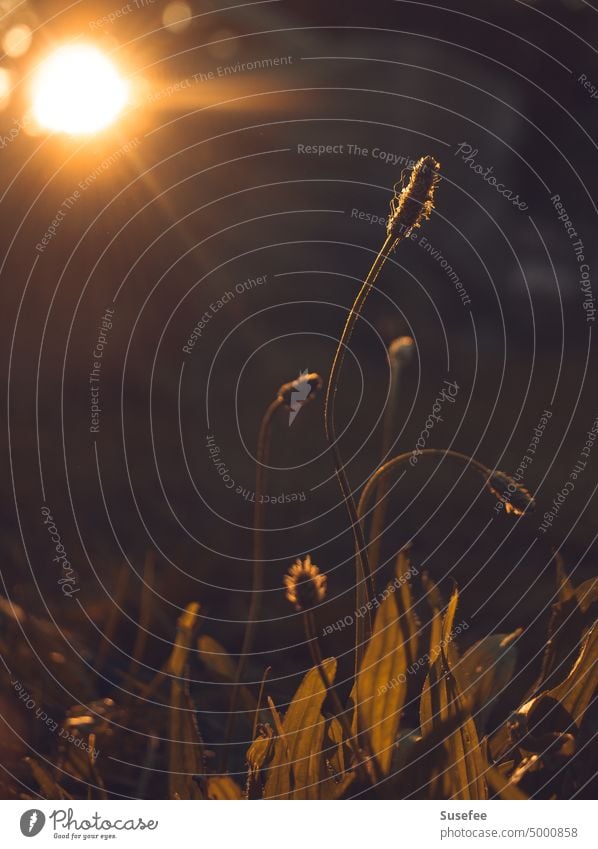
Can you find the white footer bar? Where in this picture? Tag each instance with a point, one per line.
(301, 825)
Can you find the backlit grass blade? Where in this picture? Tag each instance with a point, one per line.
(441, 701)
(292, 769)
(381, 685)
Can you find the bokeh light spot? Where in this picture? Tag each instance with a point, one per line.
(17, 41)
(78, 91)
(176, 17)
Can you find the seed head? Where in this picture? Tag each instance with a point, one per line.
(415, 201)
(306, 587)
(515, 497)
(400, 350)
(307, 386)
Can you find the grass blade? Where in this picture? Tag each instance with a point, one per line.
(381, 685)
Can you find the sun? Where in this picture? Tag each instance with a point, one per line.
(77, 90)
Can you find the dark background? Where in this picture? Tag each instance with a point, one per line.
(215, 192)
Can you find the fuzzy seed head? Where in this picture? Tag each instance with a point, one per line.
(306, 587)
(415, 201)
(401, 349)
(306, 387)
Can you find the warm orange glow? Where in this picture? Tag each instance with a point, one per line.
(78, 91)
(17, 41)
(177, 17)
(5, 87)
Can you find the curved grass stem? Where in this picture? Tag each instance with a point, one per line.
(388, 427)
(364, 580)
(262, 458)
(518, 501)
(412, 205)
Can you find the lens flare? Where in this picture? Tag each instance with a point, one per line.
(17, 41)
(177, 17)
(5, 87)
(78, 91)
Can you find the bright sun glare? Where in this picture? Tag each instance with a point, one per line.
(78, 91)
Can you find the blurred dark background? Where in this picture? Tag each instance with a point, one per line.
(201, 186)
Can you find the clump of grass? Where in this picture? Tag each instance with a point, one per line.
(365, 747)
(452, 755)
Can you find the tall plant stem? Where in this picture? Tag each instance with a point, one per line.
(379, 516)
(364, 580)
(262, 459)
